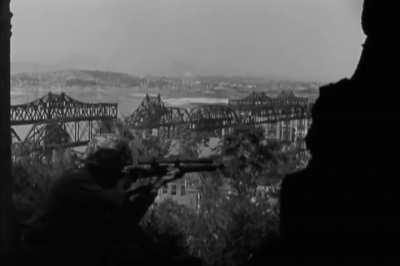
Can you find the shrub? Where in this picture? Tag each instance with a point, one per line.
(32, 181)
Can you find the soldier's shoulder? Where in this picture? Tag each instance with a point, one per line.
(70, 178)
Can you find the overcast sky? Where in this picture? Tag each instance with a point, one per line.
(296, 39)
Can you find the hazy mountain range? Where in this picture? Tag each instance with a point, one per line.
(47, 76)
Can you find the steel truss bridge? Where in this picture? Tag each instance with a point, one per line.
(285, 117)
(57, 121)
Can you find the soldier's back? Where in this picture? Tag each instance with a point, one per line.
(75, 226)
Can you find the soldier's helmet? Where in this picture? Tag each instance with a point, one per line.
(109, 157)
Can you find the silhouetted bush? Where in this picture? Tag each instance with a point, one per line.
(33, 177)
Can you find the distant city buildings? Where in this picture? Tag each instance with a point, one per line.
(184, 191)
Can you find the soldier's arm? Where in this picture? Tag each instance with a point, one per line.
(138, 200)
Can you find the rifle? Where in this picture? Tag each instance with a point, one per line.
(159, 168)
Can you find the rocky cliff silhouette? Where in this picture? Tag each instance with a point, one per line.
(347, 201)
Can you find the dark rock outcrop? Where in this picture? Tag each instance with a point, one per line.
(347, 201)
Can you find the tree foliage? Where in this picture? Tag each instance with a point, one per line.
(32, 181)
(235, 218)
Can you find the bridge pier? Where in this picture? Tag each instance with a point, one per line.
(282, 130)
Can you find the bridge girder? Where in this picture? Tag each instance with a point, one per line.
(60, 107)
(210, 117)
(254, 99)
(174, 117)
(257, 108)
(58, 121)
(153, 113)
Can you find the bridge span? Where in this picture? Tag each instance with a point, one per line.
(59, 121)
(285, 117)
(56, 121)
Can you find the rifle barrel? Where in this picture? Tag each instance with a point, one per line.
(189, 169)
(168, 161)
(199, 168)
(145, 172)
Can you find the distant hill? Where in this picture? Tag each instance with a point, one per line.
(74, 78)
(108, 86)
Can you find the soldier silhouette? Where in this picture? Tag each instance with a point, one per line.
(90, 213)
